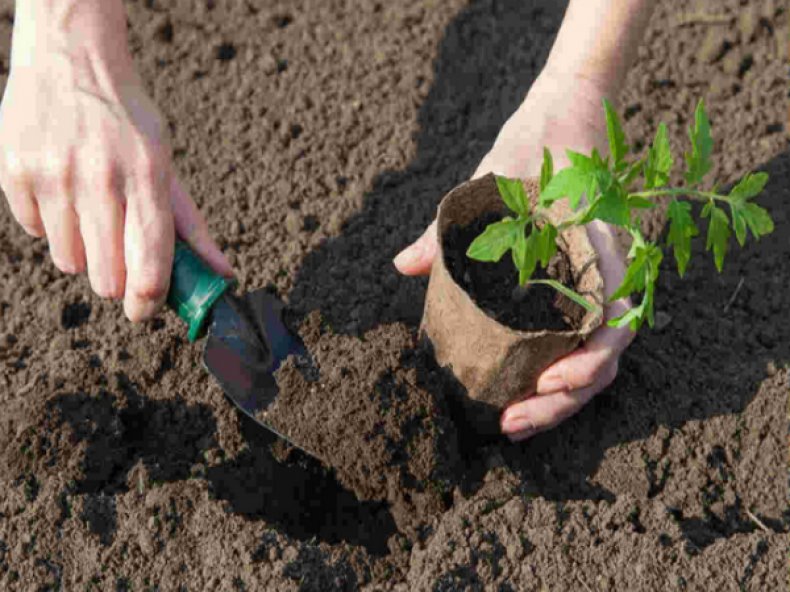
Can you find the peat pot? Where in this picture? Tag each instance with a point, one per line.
(494, 363)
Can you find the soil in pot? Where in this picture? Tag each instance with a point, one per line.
(494, 286)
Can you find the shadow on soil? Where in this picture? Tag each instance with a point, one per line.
(298, 496)
(721, 331)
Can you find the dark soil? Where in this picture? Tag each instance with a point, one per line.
(318, 137)
(366, 415)
(494, 285)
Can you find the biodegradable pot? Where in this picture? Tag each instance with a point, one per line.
(497, 364)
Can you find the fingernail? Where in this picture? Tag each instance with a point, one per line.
(551, 383)
(516, 424)
(522, 435)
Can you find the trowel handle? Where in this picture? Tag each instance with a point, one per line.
(194, 288)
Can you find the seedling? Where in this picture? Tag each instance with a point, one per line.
(609, 186)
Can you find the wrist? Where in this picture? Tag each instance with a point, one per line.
(80, 30)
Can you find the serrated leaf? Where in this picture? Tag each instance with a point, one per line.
(546, 244)
(571, 182)
(495, 240)
(611, 205)
(575, 296)
(718, 233)
(698, 161)
(659, 160)
(746, 214)
(681, 230)
(642, 271)
(617, 146)
(546, 169)
(525, 256)
(750, 186)
(759, 220)
(513, 194)
(635, 317)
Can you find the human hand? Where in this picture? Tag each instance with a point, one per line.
(85, 160)
(559, 113)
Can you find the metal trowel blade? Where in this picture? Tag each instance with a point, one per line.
(246, 344)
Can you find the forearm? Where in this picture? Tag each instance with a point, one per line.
(598, 40)
(93, 29)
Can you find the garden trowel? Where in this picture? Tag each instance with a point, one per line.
(247, 339)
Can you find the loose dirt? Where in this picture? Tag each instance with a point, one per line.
(318, 138)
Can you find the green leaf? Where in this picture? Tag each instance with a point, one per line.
(575, 296)
(718, 232)
(611, 205)
(546, 244)
(659, 160)
(495, 240)
(513, 194)
(635, 317)
(681, 230)
(746, 214)
(750, 186)
(571, 182)
(546, 169)
(698, 160)
(758, 220)
(525, 256)
(617, 146)
(642, 270)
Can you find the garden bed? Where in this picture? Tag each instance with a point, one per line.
(318, 138)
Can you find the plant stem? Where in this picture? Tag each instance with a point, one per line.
(690, 193)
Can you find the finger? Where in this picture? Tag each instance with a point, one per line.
(54, 193)
(192, 228)
(100, 209)
(417, 258)
(149, 238)
(582, 368)
(18, 190)
(539, 413)
(63, 233)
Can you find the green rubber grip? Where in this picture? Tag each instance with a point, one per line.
(194, 288)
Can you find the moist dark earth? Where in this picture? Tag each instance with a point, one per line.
(318, 137)
(494, 286)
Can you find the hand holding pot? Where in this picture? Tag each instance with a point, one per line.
(557, 114)
(85, 155)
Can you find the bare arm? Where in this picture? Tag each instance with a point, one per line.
(85, 157)
(599, 39)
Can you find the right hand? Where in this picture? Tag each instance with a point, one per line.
(558, 113)
(85, 160)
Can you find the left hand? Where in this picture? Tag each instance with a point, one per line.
(559, 113)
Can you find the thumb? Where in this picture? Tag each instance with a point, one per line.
(417, 258)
